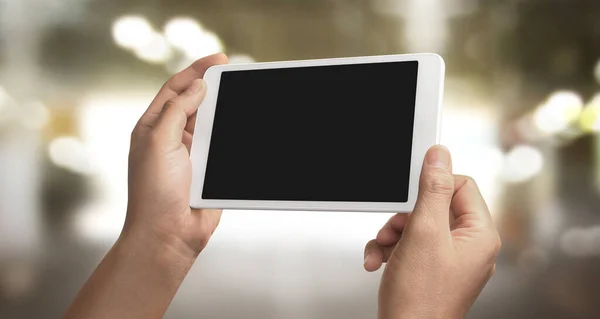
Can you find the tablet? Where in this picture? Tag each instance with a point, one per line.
(345, 134)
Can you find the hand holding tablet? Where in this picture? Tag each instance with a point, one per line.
(344, 134)
(441, 256)
(315, 140)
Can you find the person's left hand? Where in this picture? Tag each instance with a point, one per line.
(160, 169)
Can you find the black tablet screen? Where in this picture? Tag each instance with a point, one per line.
(325, 133)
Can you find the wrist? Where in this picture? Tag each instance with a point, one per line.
(417, 315)
(406, 307)
(137, 278)
(419, 312)
(156, 250)
(160, 239)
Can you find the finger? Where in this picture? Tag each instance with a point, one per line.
(187, 140)
(190, 126)
(391, 232)
(436, 188)
(173, 118)
(468, 204)
(373, 256)
(177, 84)
(376, 255)
(188, 133)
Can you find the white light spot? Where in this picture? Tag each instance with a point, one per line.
(240, 59)
(180, 31)
(206, 44)
(69, 153)
(589, 121)
(559, 111)
(494, 159)
(132, 32)
(187, 35)
(157, 50)
(523, 163)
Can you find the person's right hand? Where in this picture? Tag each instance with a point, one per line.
(440, 257)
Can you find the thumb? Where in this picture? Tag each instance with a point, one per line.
(175, 112)
(436, 188)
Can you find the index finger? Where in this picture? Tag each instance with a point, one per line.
(391, 232)
(177, 84)
(468, 203)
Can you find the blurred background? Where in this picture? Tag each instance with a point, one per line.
(522, 114)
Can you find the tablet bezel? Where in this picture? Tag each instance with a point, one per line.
(426, 132)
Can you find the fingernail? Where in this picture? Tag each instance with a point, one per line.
(196, 86)
(367, 258)
(438, 156)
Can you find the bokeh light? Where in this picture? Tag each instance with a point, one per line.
(187, 35)
(132, 32)
(240, 59)
(71, 101)
(70, 153)
(581, 242)
(589, 120)
(523, 162)
(180, 31)
(155, 51)
(559, 111)
(208, 43)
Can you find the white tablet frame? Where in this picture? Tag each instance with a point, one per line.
(426, 132)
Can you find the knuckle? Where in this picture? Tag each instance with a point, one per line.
(493, 271)
(497, 245)
(169, 104)
(370, 245)
(167, 85)
(135, 133)
(492, 247)
(441, 183)
(139, 134)
(471, 183)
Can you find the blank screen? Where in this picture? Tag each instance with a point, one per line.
(327, 133)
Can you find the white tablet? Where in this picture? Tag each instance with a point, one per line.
(347, 134)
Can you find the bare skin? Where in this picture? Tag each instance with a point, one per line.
(438, 258)
(162, 235)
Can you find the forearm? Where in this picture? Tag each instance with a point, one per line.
(416, 305)
(414, 313)
(138, 278)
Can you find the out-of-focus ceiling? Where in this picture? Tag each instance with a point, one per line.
(546, 44)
